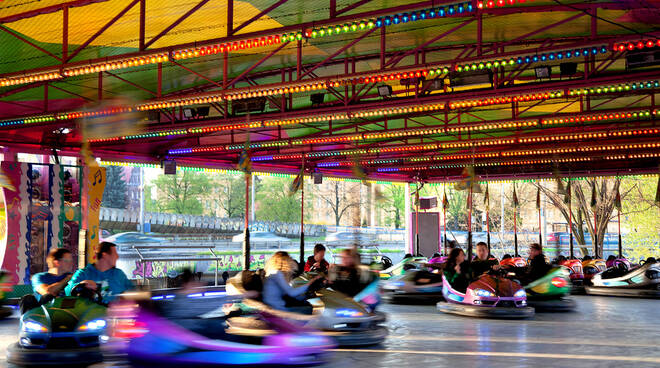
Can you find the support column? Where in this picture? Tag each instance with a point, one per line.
(301, 263)
(246, 238)
(252, 211)
(408, 215)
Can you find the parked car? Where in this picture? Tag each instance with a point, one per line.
(261, 237)
(125, 241)
(348, 237)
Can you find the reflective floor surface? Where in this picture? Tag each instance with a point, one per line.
(602, 332)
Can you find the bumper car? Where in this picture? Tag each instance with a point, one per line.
(169, 331)
(66, 329)
(513, 262)
(576, 274)
(491, 296)
(400, 268)
(592, 267)
(549, 293)
(348, 321)
(5, 287)
(641, 282)
(414, 287)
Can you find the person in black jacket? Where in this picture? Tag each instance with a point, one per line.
(483, 261)
(537, 266)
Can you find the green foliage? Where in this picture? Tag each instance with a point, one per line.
(228, 196)
(639, 218)
(182, 193)
(114, 194)
(273, 201)
(393, 202)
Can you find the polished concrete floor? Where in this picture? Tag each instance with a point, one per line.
(603, 332)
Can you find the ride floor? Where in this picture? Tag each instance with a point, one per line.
(603, 332)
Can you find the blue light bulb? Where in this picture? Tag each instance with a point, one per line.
(388, 21)
(535, 58)
(527, 59)
(544, 57)
(450, 10)
(519, 60)
(441, 12)
(569, 54)
(551, 56)
(461, 9)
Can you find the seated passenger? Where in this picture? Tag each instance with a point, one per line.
(537, 267)
(102, 275)
(506, 256)
(48, 285)
(277, 292)
(483, 261)
(317, 262)
(456, 271)
(348, 277)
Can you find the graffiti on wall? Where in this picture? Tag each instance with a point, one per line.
(225, 263)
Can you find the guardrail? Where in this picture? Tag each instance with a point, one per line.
(122, 219)
(160, 248)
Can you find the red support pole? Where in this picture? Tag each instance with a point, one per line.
(65, 34)
(302, 218)
(230, 17)
(298, 59)
(159, 90)
(382, 47)
(143, 11)
(570, 219)
(246, 239)
(100, 86)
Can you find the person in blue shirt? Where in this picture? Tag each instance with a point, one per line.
(103, 274)
(50, 284)
(277, 292)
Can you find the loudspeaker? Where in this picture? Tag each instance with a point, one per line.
(568, 68)
(428, 203)
(169, 167)
(471, 78)
(318, 178)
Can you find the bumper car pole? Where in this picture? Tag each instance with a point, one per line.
(246, 238)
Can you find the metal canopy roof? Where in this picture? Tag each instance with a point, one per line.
(66, 62)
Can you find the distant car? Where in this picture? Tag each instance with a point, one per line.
(124, 241)
(261, 237)
(350, 237)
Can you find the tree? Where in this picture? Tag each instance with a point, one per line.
(596, 218)
(114, 194)
(183, 193)
(393, 202)
(338, 200)
(640, 218)
(274, 202)
(229, 195)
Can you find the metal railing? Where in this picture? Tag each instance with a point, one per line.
(144, 259)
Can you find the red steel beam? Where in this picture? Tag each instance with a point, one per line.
(316, 24)
(103, 29)
(25, 40)
(254, 18)
(47, 10)
(351, 7)
(342, 49)
(248, 70)
(176, 23)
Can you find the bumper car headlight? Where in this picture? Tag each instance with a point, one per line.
(347, 312)
(483, 293)
(93, 325)
(30, 326)
(520, 293)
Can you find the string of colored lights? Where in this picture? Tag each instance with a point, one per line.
(472, 143)
(490, 155)
(438, 181)
(630, 46)
(473, 127)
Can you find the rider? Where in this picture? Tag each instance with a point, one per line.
(456, 271)
(347, 277)
(537, 266)
(483, 261)
(317, 262)
(277, 292)
(111, 280)
(47, 285)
